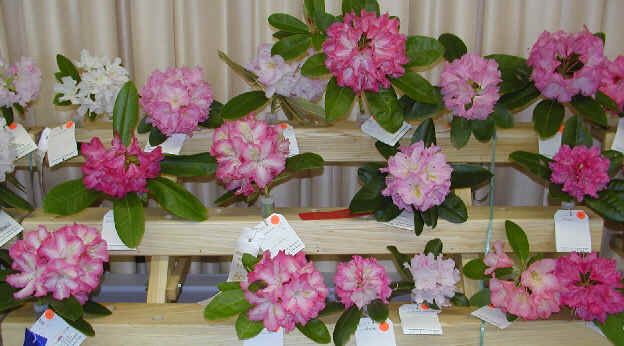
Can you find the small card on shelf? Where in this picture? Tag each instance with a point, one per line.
(572, 231)
(371, 333)
(405, 220)
(266, 338)
(417, 321)
(22, 141)
(492, 315)
(172, 145)
(56, 330)
(9, 228)
(61, 143)
(280, 236)
(372, 128)
(109, 233)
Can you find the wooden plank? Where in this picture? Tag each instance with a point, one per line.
(177, 275)
(157, 284)
(469, 285)
(183, 324)
(217, 235)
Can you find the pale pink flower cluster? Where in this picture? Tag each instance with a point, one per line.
(435, 279)
(418, 177)
(497, 259)
(177, 99)
(582, 171)
(566, 64)
(19, 83)
(470, 86)
(120, 169)
(591, 286)
(363, 50)
(250, 153)
(360, 281)
(66, 262)
(612, 82)
(285, 78)
(294, 294)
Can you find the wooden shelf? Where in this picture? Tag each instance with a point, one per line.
(183, 324)
(217, 235)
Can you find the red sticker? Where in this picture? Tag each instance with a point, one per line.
(69, 124)
(580, 215)
(49, 314)
(275, 219)
(384, 326)
(13, 126)
(328, 215)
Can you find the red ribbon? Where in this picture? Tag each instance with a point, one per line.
(326, 215)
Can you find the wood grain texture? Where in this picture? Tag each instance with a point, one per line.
(183, 324)
(217, 236)
(158, 276)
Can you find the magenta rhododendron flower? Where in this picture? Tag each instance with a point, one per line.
(566, 64)
(250, 153)
(177, 99)
(612, 82)
(362, 51)
(360, 281)
(63, 263)
(590, 285)
(294, 291)
(497, 259)
(418, 177)
(435, 279)
(19, 83)
(120, 169)
(470, 86)
(581, 170)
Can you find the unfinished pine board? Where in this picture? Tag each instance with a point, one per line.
(217, 235)
(183, 324)
(158, 277)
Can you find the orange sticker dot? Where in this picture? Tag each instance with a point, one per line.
(283, 125)
(69, 124)
(275, 219)
(491, 305)
(49, 314)
(384, 326)
(424, 306)
(580, 215)
(13, 126)
(561, 129)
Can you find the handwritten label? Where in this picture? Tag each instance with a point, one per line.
(404, 220)
(280, 236)
(618, 140)
(416, 321)
(22, 142)
(266, 338)
(371, 333)
(373, 129)
(109, 233)
(62, 143)
(56, 330)
(289, 133)
(172, 145)
(492, 315)
(550, 146)
(9, 228)
(572, 231)
(248, 242)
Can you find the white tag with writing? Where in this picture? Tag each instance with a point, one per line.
(22, 142)
(618, 140)
(373, 129)
(56, 330)
(371, 333)
(109, 233)
(491, 315)
(248, 242)
(280, 236)
(62, 143)
(266, 338)
(572, 231)
(289, 133)
(172, 145)
(9, 228)
(417, 321)
(404, 220)
(550, 146)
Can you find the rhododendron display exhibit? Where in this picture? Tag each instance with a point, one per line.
(19, 86)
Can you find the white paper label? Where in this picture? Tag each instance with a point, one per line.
(62, 143)
(373, 129)
(56, 330)
(491, 315)
(416, 321)
(173, 144)
(266, 338)
(371, 333)
(404, 220)
(594, 327)
(550, 146)
(280, 236)
(572, 231)
(109, 233)
(22, 142)
(9, 228)
(248, 242)
(618, 140)
(289, 133)
(42, 146)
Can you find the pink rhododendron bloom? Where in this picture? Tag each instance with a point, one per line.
(250, 153)
(294, 291)
(590, 285)
(363, 50)
(435, 279)
(417, 177)
(30, 269)
(497, 259)
(470, 86)
(540, 277)
(360, 281)
(612, 82)
(566, 64)
(177, 99)
(501, 292)
(19, 83)
(582, 171)
(120, 169)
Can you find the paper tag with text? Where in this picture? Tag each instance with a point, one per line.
(56, 330)
(289, 133)
(618, 140)
(572, 231)
(266, 338)
(248, 242)
(371, 333)
(280, 236)
(405, 220)
(416, 321)
(9, 228)
(550, 146)
(492, 315)
(373, 129)
(22, 142)
(172, 145)
(62, 143)
(109, 233)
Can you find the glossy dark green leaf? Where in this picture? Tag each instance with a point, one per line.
(433, 246)
(609, 205)
(548, 117)
(454, 47)
(481, 298)
(378, 311)
(607, 102)
(7, 301)
(460, 131)
(315, 66)
(288, 23)
(7, 114)
(520, 99)
(145, 125)
(304, 161)
(176, 199)
(503, 117)
(387, 210)
(12, 199)
(475, 269)
(602, 36)
(430, 217)
(358, 5)
(249, 261)
(67, 68)
(453, 209)
(368, 198)
(331, 308)
(413, 110)
(225, 304)
(384, 106)
(197, 165)
(534, 163)
(515, 72)
(215, 120)
(316, 330)
(465, 175)
(613, 328)
(346, 325)
(423, 51)
(69, 308)
(95, 308)
(229, 285)
(576, 133)
(292, 46)
(483, 130)
(5, 259)
(126, 112)
(460, 299)
(590, 109)
(419, 222)
(386, 150)
(370, 171)
(69, 198)
(156, 137)
(425, 132)
(416, 87)
(616, 159)
(129, 219)
(518, 240)
(245, 328)
(225, 199)
(243, 104)
(338, 100)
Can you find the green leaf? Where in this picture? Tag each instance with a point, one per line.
(515, 72)
(69, 308)
(129, 219)
(575, 133)
(281, 34)
(386, 150)
(303, 162)
(518, 240)
(460, 299)
(475, 269)
(555, 192)
(5, 259)
(288, 23)
(607, 102)
(430, 217)
(247, 75)
(481, 298)
(126, 112)
(368, 198)
(460, 131)
(413, 110)
(609, 205)
(215, 120)
(616, 185)
(453, 209)
(7, 113)
(602, 36)
(416, 87)
(245, 328)
(316, 330)
(156, 137)
(317, 40)
(385, 108)
(423, 51)
(229, 285)
(534, 163)
(144, 125)
(464, 175)
(82, 326)
(67, 68)
(483, 130)
(503, 117)
(547, 117)
(338, 100)
(303, 111)
(433, 246)
(7, 301)
(331, 308)
(378, 311)
(198, 165)
(315, 66)
(454, 47)
(387, 210)
(370, 171)
(292, 46)
(324, 20)
(346, 325)
(425, 132)
(226, 304)
(176, 199)
(517, 100)
(590, 109)
(69, 198)
(358, 5)
(95, 308)
(57, 100)
(12, 199)
(225, 199)
(243, 104)
(249, 261)
(616, 158)
(613, 328)
(313, 7)
(400, 261)
(419, 223)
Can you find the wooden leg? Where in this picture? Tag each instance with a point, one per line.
(179, 268)
(157, 284)
(470, 286)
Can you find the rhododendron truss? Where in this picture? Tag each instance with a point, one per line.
(19, 86)
(59, 268)
(418, 180)
(128, 175)
(284, 291)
